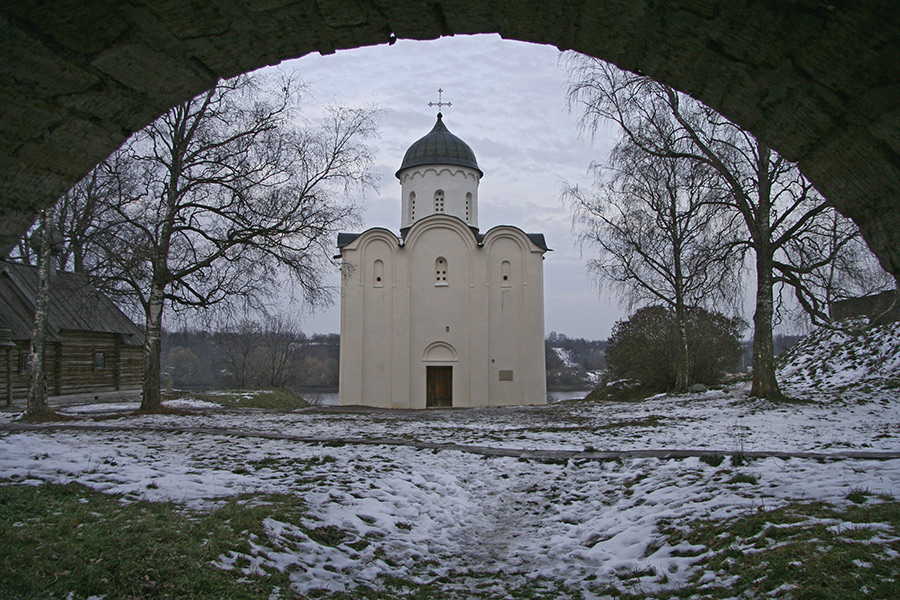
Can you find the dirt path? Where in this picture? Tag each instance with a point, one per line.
(539, 455)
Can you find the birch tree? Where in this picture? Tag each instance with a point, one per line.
(781, 212)
(662, 235)
(232, 197)
(45, 245)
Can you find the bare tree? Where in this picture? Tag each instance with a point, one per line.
(265, 353)
(855, 271)
(45, 246)
(663, 236)
(782, 213)
(236, 342)
(281, 343)
(81, 214)
(231, 196)
(77, 218)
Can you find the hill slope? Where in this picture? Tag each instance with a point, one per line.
(867, 360)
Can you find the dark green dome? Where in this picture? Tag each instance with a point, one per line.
(439, 147)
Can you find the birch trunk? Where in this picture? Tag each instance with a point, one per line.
(151, 399)
(37, 386)
(764, 383)
(683, 364)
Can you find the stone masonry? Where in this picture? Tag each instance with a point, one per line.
(817, 80)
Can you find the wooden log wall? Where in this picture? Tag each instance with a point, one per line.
(71, 369)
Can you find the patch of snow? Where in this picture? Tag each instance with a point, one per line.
(581, 523)
(567, 356)
(427, 515)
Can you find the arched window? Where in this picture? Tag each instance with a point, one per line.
(505, 276)
(378, 274)
(440, 271)
(468, 205)
(439, 201)
(412, 206)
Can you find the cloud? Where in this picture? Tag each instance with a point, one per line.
(508, 104)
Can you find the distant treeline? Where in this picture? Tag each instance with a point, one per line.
(198, 359)
(573, 363)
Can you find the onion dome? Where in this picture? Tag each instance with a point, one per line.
(439, 147)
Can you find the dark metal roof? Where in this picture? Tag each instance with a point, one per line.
(74, 305)
(538, 240)
(346, 238)
(439, 147)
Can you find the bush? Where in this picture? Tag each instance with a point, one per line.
(646, 347)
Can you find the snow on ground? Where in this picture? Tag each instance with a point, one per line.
(580, 522)
(566, 355)
(566, 522)
(828, 360)
(427, 514)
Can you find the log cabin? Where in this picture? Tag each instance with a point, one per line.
(93, 349)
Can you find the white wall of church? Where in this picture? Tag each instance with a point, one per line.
(441, 309)
(443, 301)
(458, 187)
(515, 318)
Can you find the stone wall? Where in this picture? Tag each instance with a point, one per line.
(818, 81)
(884, 306)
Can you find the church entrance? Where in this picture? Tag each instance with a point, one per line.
(439, 387)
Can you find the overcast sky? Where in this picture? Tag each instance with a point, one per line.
(508, 104)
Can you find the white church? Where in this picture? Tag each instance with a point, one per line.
(442, 315)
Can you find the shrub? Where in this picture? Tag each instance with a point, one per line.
(646, 347)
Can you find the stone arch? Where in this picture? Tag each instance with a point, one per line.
(816, 81)
(439, 202)
(525, 246)
(441, 271)
(440, 352)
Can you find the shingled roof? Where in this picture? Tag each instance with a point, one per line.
(74, 305)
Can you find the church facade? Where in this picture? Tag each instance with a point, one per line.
(441, 315)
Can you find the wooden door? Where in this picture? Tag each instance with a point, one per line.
(439, 386)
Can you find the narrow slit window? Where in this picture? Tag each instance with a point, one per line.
(439, 201)
(505, 274)
(468, 206)
(440, 271)
(378, 274)
(412, 206)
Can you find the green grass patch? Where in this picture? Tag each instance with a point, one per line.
(739, 459)
(858, 495)
(62, 539)
(744, 478)
(713, 460)
(68, 541)
(276, 399)
(802, 551)
(620, 391)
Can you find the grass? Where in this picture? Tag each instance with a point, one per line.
(713, 460)
(803, 551)
(275, 399)
(68, 541)
(744, 478)
(620, 391)
(858, 495)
